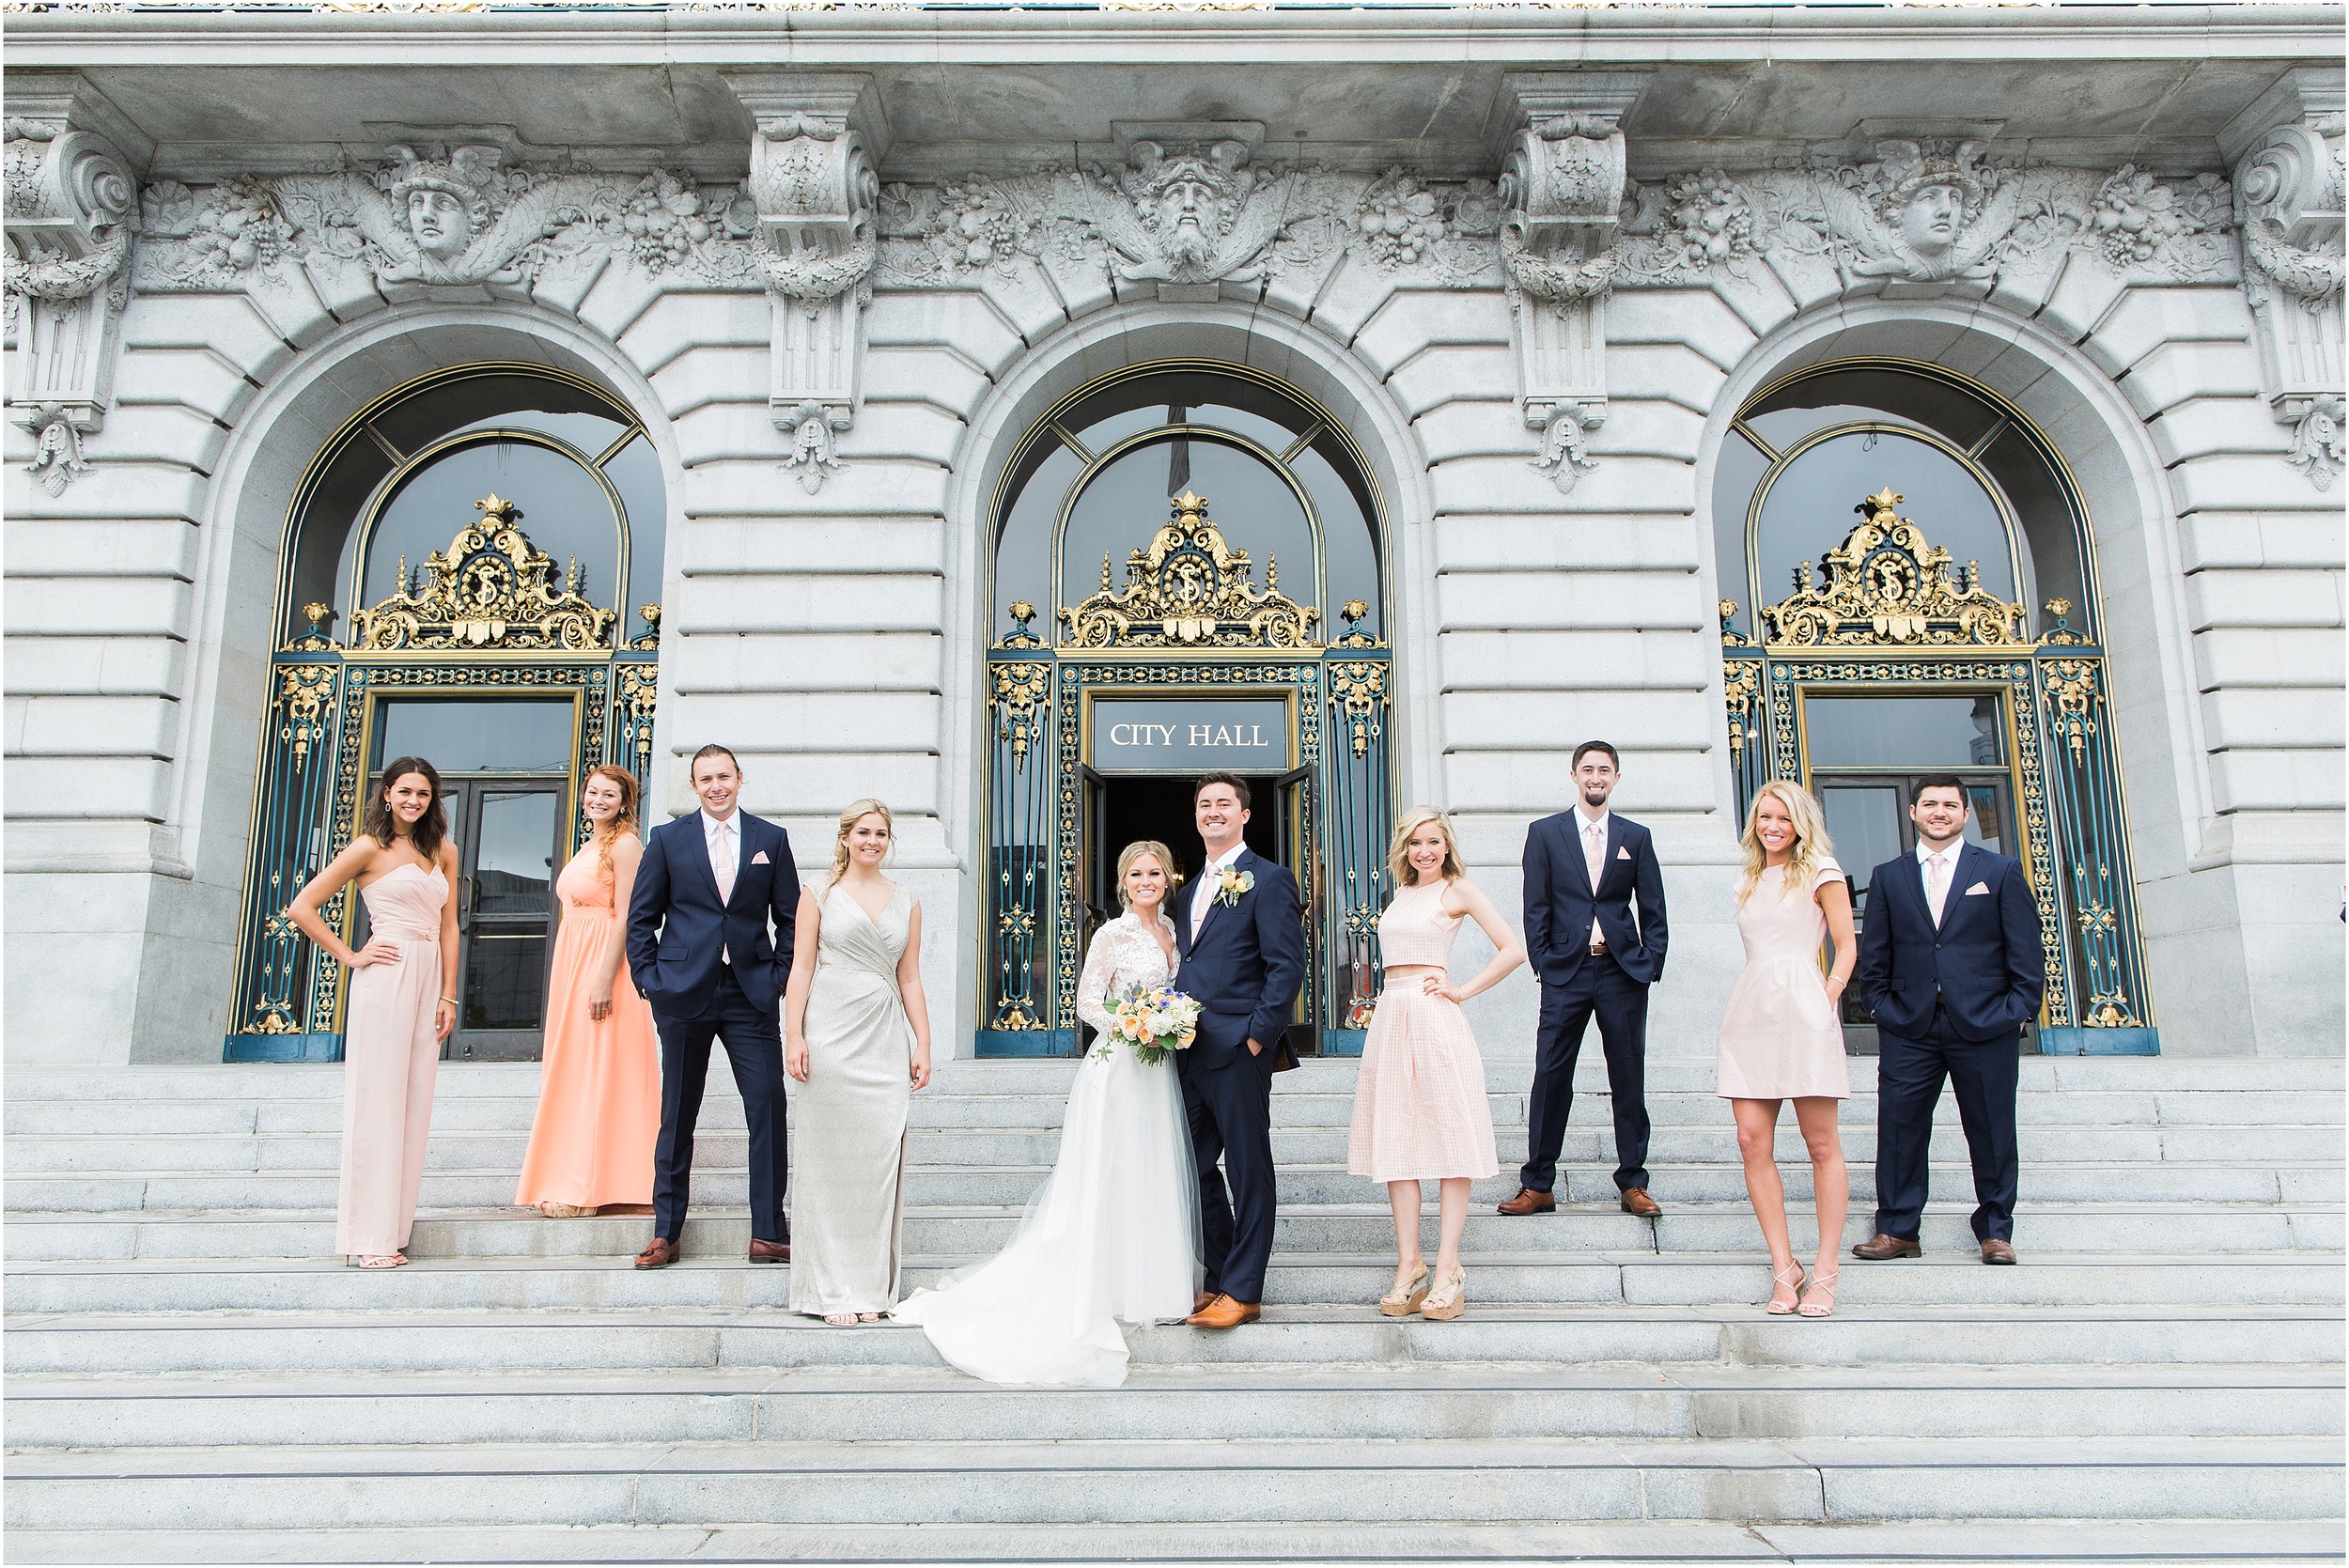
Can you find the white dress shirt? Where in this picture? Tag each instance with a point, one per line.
(725, 840)
(1204, 899)
(1940, 869)
(1594, 832)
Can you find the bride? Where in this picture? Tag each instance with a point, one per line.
(1113, 1231)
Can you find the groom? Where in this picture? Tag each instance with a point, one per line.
(1242, 931)
(698, 951)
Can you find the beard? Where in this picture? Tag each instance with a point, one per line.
(1187, 251)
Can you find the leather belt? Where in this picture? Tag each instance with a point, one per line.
(1598, 949)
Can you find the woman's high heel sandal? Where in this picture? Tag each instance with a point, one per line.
(1448, 1299)
(1782, 1299)
(1819, 1300)
(1405, 1298)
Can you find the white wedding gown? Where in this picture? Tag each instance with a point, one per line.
(1111, 1235)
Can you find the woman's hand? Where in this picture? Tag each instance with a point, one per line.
(795, 1058)
(379, 950)
(921, 1067)
(1835, 984)
(599, 999)
(443, 1018)
(1440, 985)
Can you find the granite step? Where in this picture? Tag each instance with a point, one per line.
(1307, 1402)
(1152, 1482)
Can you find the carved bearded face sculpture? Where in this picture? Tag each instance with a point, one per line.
(1187, 210)
(1930, 220)
(437, 222)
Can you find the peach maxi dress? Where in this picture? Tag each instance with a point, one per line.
(1420, 1109)
(600, 1090)
(390, 1060)
(1780, 1038)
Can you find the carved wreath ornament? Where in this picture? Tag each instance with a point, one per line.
(1885, 584)
(1188, 588)
(493, 588)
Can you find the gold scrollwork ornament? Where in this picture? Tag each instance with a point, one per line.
(1189, 588)
(491, 588)
(1886, 583)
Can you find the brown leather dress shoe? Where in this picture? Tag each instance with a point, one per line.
(1878, 1248)
(1224, 1312)
(770, 1251)
(1995, 1251)
(661, 1254)
(1528, 1201)
(1199, 1302)
(1636, 1201)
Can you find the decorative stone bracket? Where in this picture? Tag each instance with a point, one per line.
(1562, 186)
(812, 181)
(2288, 181)
(70, 207)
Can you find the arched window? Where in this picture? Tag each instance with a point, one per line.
(1187, 577)
(1953, 629)
(471, 575)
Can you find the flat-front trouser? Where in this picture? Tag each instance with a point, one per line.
(753, 1043)
(1983, 1074)
(1599, 988)
(1230, 1108)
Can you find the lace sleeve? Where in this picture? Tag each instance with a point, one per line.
(1093, 987)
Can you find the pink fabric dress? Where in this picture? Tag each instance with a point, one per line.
(1780, 1038)
(1420, 1109)
(600, 1090)
(390, 1059)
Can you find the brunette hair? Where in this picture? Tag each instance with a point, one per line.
(1398, 851)
(430, 829)
(1588, 746)
(623, 820)
(1160, 852)
(1239, 785)
(856, 812)
(1941, 780)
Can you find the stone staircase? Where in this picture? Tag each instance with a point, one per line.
(190, 1380)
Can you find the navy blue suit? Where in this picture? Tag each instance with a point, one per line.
(1578, 984)
(1244, 971)
(1949, 1001)
(709, 970)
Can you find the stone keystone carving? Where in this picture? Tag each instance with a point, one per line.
(1563, 187)
(1920, 214)
(70, 208)
(1195, 215)
(814, 185)
(2288, 188)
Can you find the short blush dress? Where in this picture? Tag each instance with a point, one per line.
(1421, 1112)
(599, 1094)
(1780, 1038)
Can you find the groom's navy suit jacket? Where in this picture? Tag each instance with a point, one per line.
(1983, 961)
(1246, 965)
(678, 927)
(1560, 901)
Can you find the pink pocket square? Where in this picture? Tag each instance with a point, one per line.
(1623, 853)
(760, 859)
(1978, 887)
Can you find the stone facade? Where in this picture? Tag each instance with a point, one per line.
(839, 262)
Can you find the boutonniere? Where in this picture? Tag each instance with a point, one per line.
(1235, 882)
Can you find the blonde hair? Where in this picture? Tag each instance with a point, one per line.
(857, 810)
(1134, 851)
(1398, 858)
(1813, 848)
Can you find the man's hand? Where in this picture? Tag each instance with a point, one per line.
(1253, 1049)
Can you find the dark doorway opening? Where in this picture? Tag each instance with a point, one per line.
(1160, 808)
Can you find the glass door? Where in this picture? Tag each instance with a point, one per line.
(509, 844)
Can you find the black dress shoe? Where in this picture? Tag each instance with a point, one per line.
(1878, 1248)
(770, 1251)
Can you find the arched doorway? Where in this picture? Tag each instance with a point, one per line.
(1888, 659)
(464, 560)
(1201, 545)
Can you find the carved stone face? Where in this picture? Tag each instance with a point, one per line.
(1188, 211)
(437, 222)
(1929, 222)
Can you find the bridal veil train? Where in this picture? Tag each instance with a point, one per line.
(1112, 1234)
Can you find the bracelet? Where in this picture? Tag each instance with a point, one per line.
(451, 1000)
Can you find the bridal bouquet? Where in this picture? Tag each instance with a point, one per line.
(1157, 1019)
